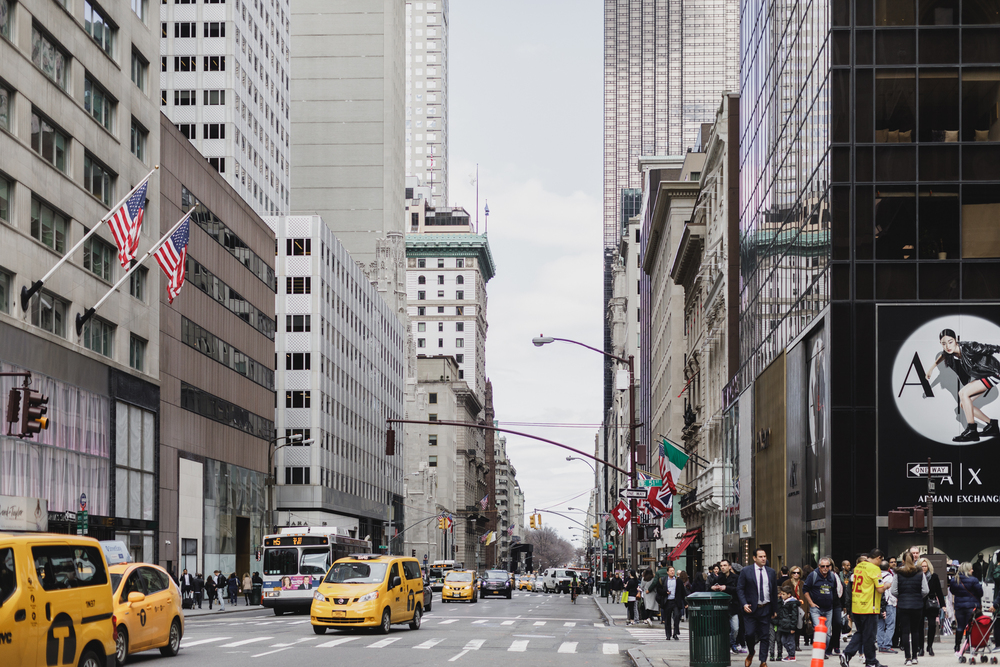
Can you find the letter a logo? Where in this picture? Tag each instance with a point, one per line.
(915, 365)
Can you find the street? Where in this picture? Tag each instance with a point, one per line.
(539, 628)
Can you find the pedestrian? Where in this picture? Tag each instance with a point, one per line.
(783, 576)
(187, 580)
(866, 601)
(257, 579)
(247, 587)
(757, 590)
(199, 589)
(795, 578)
(632, 590)
(233, 586)
(616, 588)
(787, 622)
(968, 594)
(221, 587)
(910, 587)
(887, 621)
(210, 589)
(725, 582)
(647, 588)
(672, 599)
(821, 593)
(700, 583)
(933, 603)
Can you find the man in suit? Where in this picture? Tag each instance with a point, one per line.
(674, 601)
(757, 591)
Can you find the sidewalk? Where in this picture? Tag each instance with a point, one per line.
(230, 609)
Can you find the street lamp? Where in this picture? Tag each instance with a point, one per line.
(294, 439)
(633, 454)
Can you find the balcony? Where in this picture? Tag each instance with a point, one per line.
(710, 495)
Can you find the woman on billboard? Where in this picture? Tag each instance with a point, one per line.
(979, 371)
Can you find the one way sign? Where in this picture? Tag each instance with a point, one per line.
(917, 470)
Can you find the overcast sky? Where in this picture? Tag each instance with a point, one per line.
(526, 105)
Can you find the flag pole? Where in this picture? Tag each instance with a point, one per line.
(81, 318)
(28, 292)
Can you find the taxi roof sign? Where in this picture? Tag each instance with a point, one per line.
(116, 552)
(366, 556)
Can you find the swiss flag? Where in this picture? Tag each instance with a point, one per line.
(622, 515)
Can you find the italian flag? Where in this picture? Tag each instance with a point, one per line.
(672, 461)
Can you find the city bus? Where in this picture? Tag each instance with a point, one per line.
(437, 570)
(297, 559)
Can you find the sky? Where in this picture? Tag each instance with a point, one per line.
(525, 104)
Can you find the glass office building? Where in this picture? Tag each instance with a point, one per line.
(870, 235)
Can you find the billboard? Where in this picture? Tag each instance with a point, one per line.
(817, 454)
(938, 371)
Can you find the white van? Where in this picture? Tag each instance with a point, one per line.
(556, 579)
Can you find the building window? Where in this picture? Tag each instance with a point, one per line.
(213, 131)
(440, 263)
(6, 18)
(215, 348)
(99, 27)
(215, 29)
(421, 311)
(421, 326)
(218, 163)
(440, 326)
(185, 98)
(298, 285)
(297, 399)
(459, 280)
(97, 180)
(137, 142)
(432, 417)
(459, 310)
(48, 142)
(459, 342)
(441, 310)
(185, 29)
(98, 336)
(296, 475)
(461, 375)
(421, 263)
(5, 96)
(432, 398)
(48, 226)
(48, 312)
(298, 323)
(440, 280)
(215, 63)
(140, 7)
(5, 193)
(421, 295)
(99, 257)
(421, 342)
(49, 58)
(5, 283)
(137, 284)
(432, 461)
(297, 361)
(135, 462)
(440, 293)
(459, 295)
(185, 63)
(421, 280)
(220, 410)
(189, 130)
(304, 432)
(459, 263)
(140, 68)
(163, 92)
(215, 97)
(432, 440)
(459, 326)
(99, 104)
(136, 353)
(440, 342)
(460, 358)
(298, 247)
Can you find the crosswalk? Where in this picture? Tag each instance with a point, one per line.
(644, 634)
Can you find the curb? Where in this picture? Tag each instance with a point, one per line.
(212, 613)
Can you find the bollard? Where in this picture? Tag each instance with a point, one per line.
(819, 643)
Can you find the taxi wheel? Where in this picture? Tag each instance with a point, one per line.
(415, 623)
(319, 629)
(121, 646)
(89, 659)
(475, 598)
(173, 641)
(383, 628)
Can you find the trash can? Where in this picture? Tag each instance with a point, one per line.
(708, 642)
(602, 587)
(256, 593)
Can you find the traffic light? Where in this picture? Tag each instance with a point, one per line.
(595, 530)
(441, 523)
(413, 553)
(531, 520)
(538, 521)
(13, 409)
(33, 409)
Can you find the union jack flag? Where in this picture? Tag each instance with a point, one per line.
(171, 257)
(125, 224)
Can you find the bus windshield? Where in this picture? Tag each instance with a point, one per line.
(315, 560)
(458, 576)
(356, 573)
(281, 561)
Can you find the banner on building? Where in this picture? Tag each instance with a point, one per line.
(19, 513)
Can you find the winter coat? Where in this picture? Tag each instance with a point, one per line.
(967, 590)
(247, 583)
(648, 596)
(632, 586)
(788, 615)
(975, 363)
(210, 586)
(616, 583)
(910, 589)
(233, 585)
(199, 585)
(934, 584)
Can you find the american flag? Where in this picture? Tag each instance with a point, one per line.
(125, 224)
(171, 257)
(484, 501)
(510, 530)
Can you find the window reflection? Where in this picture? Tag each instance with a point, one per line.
(939, 105)
(938, 12)
(895, 105)
(980, 220)
(939, 222)
(895, 223)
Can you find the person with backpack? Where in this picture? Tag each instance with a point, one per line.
(822, 591)
(221, 589)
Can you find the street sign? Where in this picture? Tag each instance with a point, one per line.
(650, 482)
(82, 523)
(634, 493)
(83, 502)
(918, 470)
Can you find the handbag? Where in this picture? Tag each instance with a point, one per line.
(801, 618)
(931, 604)
(624, 597)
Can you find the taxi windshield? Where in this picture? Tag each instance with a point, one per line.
(458, 576)
(356, 573)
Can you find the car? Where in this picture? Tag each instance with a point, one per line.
(497, 582)
(55, 601)
(556, 579)
(369, 590)
(524, 583)
(148, 609)
(428, 593)
(460, 585)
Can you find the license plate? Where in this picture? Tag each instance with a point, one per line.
(339, 614)
(456, 595)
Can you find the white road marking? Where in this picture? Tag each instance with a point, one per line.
(569, 625)
(459, 655)
(539, 622)
(337, 642)
(203, 641)
(299, 622)
(430, 643)
(507, 623)
(610, 649)
(478, 622)
(278, 650)
(474, 644)
(382, 643)
(244, 642)
(450, 620)
(297, 641)
(519, 646)
(598, 625)
(567, 647)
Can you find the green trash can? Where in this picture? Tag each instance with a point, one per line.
(602, 588)
(708, 640)
(256, 593)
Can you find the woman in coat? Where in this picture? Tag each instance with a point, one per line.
(968, 594)
(632, 588)
(648, 597)
(935, 593)
(210, 588)
(909, 587)
(247, 586)
(233, 587)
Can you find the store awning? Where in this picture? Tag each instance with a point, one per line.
(686, 539)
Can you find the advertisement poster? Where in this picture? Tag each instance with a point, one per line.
(297, 583)
(938, 377)
(817, 454)
(18, 513)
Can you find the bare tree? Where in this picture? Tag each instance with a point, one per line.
(550, 550)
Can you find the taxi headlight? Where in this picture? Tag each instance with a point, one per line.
(368, 597)
(319, 596)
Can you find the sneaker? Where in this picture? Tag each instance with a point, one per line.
(844, 660)
(788, 658)
(913, 662)
(906, 663)
(887, 650)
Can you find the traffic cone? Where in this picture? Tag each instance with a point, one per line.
(819, 643)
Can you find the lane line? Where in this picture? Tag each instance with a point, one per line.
(478, 622)
(569, 625)
(294, 643)
(507, 623)
(475, 644)
(459, 655)
(567, 647)
(610, 649)
(204, 641)
(450, 620)
(430, 643)
(519, 646)
(277, 650)
(382, 643)
(337, 642)
(245, 642)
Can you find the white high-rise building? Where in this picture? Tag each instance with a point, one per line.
(427, 96)
(224, 82)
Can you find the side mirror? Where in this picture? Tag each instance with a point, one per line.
(136, 596)
(396, 581)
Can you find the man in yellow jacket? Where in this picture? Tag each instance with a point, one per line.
(866, 607)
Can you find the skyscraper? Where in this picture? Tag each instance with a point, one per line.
(427, 96)
(224, 83)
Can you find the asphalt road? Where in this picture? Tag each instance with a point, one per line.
(531, 628)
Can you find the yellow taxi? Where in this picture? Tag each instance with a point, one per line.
(55, 601)
(369, 590)
(460, 585)
(147, 608)
(525, 583)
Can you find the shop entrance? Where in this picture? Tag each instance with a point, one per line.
(242, 545)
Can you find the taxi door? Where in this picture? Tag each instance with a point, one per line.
(414, 585)
(134, 615)
(18, 637)
(59, 604)
(156, 605)
(397, 595)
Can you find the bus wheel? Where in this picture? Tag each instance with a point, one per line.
(278, 612)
